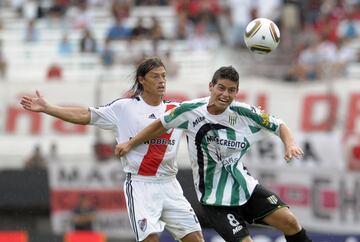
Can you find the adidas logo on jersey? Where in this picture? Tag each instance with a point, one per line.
(152, 116)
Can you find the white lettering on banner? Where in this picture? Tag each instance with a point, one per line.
(86, 174)
(102, 183)
(324, 200)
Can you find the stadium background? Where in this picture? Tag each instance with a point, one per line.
(311, 81)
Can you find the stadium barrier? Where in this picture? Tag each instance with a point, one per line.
(84, 236)
(13, 236)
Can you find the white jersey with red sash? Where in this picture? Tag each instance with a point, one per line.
(127, 117)
(154, 197)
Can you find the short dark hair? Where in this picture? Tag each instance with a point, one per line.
(226, 72)
(143, 68)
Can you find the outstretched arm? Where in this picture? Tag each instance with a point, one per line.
(151, 131)
(76, 115)
(291, 149)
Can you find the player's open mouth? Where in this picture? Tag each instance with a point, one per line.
(223, 101)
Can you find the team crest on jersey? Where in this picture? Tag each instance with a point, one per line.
(272, 199)
(232, 119)
(265, 119)
(142, 224)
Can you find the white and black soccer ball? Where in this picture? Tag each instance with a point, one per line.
(262, 36)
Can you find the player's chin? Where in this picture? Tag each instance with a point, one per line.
(161, 91)
(223, 104)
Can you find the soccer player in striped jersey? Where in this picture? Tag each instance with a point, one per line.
(154, 197)
(219, 131)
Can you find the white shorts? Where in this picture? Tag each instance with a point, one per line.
(157, 204)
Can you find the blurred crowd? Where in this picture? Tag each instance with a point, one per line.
(317, 36)
(325, 41)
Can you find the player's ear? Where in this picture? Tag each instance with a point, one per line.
(210, 86)
(141, 80)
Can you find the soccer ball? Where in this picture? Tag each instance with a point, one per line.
(262, 36)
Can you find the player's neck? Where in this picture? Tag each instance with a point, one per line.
(152, 100)
(212, 109)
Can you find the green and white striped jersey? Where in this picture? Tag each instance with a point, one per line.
(216, 144)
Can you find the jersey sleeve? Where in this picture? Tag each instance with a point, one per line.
(267, 121)
(259, 118)
(105, 116)
(175, 118)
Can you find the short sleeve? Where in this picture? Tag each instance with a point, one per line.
(179, 116)
(259, 118)
(105, 116)
(172, 119)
